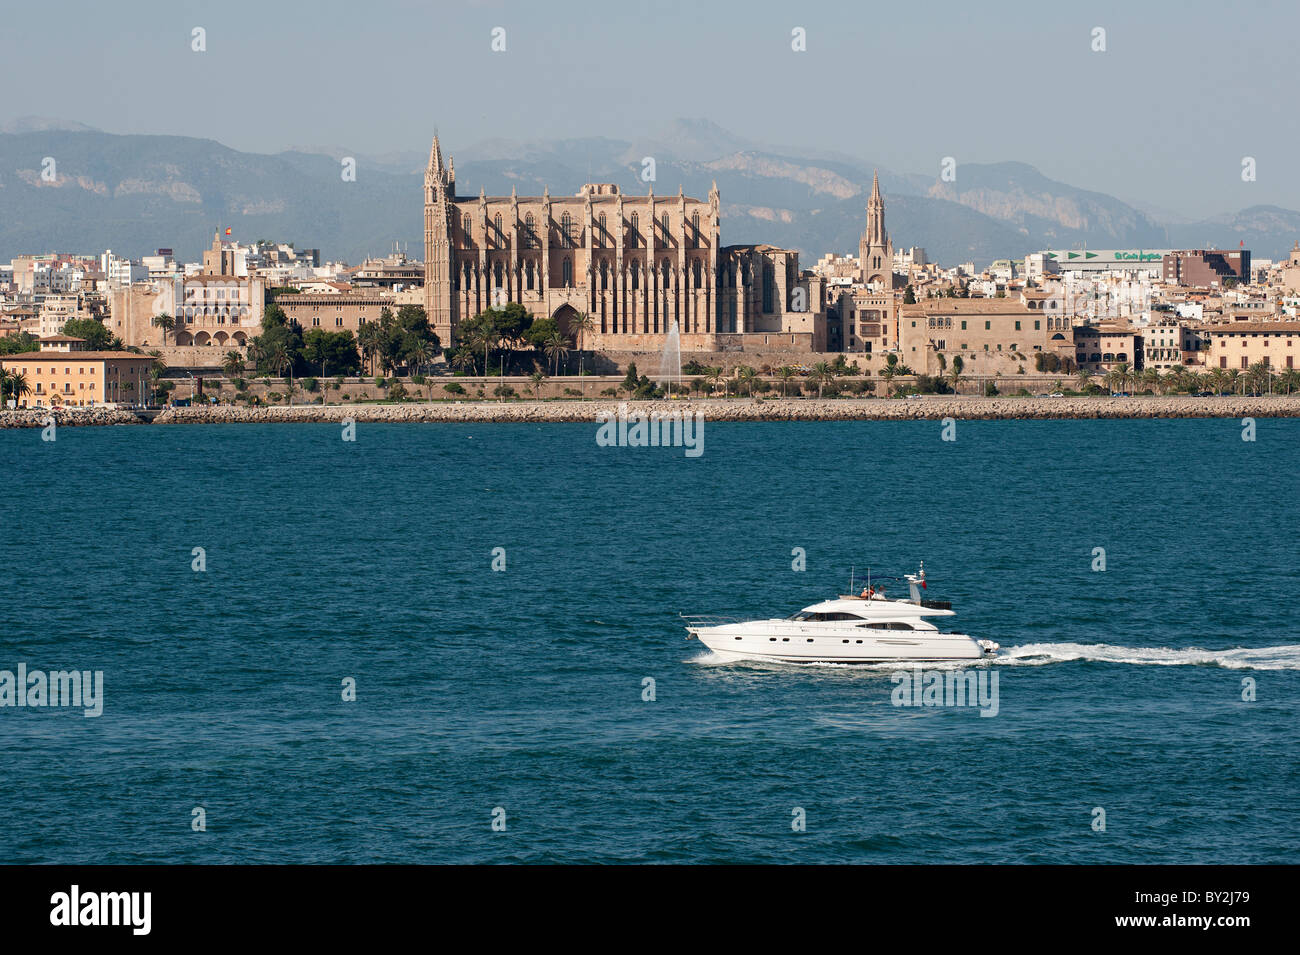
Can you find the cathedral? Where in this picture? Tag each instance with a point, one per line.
(636, 265)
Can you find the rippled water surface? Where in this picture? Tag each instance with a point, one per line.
(523, 689)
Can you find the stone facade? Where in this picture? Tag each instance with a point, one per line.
(636, 265)
(979, 329)
(78, 379)
(1238, 345)
(215, 309)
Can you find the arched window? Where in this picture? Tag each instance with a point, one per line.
(528, 273)
(667, 274)
(636, 272)
(530, 232)
(698, 271)
(467, 229)
(695, 232)
(568, 270)
(604, 271)
(634, 232)
(604, 233)
(664, 229)
(496, 225)
(566, 230)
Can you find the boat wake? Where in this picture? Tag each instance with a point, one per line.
(1240, 658)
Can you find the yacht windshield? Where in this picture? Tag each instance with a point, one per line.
(811, 615)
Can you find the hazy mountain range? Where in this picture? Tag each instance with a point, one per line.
(136, 193)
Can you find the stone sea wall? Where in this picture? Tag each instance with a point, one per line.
(39, 417)
(735, 409)
(771, 409)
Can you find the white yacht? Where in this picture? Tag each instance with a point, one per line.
(866, 627)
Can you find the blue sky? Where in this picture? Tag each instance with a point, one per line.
(1164, 116)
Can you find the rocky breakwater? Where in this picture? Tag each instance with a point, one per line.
(40, 417)
(767, 409)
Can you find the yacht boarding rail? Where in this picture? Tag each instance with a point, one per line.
(708, 620)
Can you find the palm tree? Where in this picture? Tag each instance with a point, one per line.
(1152, 377)
(278, 358)
(1217, 379)
(579, 326)
(486, 338)
(368, 339)
(821, 374)
(1233, 376)
(233, 363)
(1125, 373)
(713, 375)
(556, 348)
(13, 384)
(419, 355)
(1288, 382)
(1258, 377)
(464, 358)
(165, 322)
(746, 375)
(1083, 379)
(954, 375)
(889, 371)
(785, 373)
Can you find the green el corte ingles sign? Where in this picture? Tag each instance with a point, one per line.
(1125, 256)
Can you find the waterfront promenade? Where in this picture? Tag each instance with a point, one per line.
(733, 409)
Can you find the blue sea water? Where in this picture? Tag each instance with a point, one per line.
(523, 689)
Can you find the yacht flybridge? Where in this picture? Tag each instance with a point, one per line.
(863, 627)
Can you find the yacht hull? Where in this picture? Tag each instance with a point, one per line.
(813, 645)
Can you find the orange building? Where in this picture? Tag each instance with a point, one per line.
(80, 378)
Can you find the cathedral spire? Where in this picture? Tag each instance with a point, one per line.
(876, 213)
(875, 251)
(435, 156)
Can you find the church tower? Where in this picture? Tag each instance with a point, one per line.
(439, 203)
(875, 251)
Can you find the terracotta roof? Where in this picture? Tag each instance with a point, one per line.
(78, 355)
(1287, 327)
(974, 306)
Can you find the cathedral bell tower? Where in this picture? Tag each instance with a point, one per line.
(439, 261)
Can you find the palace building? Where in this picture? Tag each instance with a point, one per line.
(636, 265)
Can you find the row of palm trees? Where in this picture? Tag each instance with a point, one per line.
(1258, 378)
(821, 374)
(556, 347)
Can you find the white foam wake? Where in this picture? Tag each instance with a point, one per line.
(1240, 658)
